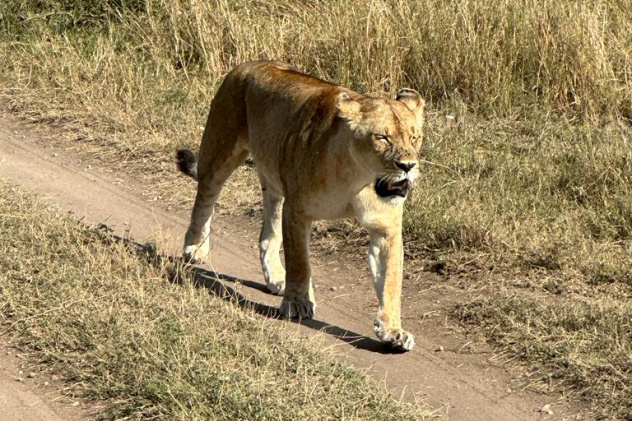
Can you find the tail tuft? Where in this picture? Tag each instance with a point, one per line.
(187, 161)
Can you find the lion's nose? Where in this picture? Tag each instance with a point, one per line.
(405, 166)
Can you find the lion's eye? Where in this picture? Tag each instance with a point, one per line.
(383, 139)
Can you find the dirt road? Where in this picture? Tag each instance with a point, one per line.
(31, 396)
(463, 385)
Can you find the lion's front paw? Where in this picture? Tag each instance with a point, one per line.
(196, 254)
(297, 308)
(397, 338)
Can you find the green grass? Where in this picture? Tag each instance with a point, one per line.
(113, 323)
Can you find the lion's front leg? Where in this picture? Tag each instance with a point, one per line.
(298, 298)
(386, 262)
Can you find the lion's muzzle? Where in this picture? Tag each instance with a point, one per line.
(389, 185)
(384, 188)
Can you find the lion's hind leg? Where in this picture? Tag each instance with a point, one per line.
(196, 240)
(270, 241)
(212, 175)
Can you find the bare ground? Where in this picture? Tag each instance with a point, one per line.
(28, 394)
(463, 379)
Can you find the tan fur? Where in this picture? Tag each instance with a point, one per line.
(318, 156)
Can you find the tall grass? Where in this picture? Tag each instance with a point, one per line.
(497, 56)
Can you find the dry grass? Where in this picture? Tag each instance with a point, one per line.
(113, 323)
(496, 55)
(528, 125)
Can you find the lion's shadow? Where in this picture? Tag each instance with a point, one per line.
(218, 284)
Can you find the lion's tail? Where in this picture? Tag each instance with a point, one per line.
(187, 161)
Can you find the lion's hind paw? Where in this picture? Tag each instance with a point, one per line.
(195, 254)
(276, 288)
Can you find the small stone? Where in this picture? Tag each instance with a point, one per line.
(31, 375)
(546, 409)
(20, 372)
(19, 379)
(54, 154)
(439, 348)
(333, 289)
(46, 383)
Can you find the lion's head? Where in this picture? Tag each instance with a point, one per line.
(387, 136)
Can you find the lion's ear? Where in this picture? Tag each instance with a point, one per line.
(413, 101)
(348, 109)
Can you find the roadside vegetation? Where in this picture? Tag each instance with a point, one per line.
(132, 331)
(529, 173)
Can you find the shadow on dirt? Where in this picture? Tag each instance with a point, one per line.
(216, 283)
(219, 284)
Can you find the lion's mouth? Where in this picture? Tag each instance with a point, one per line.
(385, 189)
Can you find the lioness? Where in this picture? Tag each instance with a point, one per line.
(321, 152)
